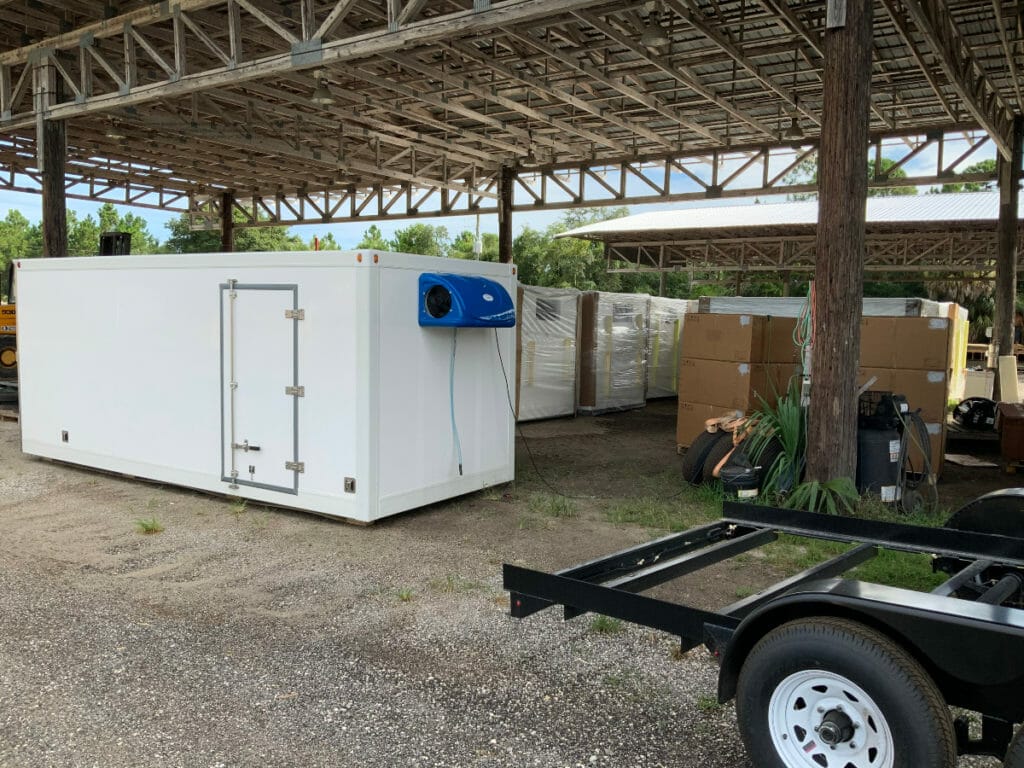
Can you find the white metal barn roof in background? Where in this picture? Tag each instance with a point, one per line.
(947, 233)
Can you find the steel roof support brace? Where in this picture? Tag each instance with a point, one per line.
(1006, 254)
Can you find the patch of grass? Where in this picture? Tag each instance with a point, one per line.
(665, 514)
(742, 592)
(708, 704)
(404, 595)
(553, 506)
(453, 583)
(238, 506)
(606, 625)
(148, 525)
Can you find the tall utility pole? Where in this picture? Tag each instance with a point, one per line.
(1006, 251)
(52, 135)
(839, 263)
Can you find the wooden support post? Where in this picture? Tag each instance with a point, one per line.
(505, 215)
(662, 277)
(839, 271)
(53, 157)
(227, 222)
(1006, 250)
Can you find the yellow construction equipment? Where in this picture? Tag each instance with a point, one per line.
(8, 327)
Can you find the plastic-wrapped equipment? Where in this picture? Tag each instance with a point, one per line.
(664, 336)
(613, 351)
(548, 353)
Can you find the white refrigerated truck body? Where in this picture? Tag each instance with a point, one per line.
(297, 379)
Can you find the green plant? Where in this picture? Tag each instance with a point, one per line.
(706, 703)
(605, 625)
(405, 595)
(780, 429)
(553, 506)
(238, 506)
(148, 525)
(836, 496)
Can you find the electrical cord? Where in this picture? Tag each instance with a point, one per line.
(451, 399)
(529, 451)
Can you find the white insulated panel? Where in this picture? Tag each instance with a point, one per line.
(125, 365)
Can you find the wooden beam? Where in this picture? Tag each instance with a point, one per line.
(227, 222)
(505, 215)
(839, 277)
(1006, 250)
(965, 75)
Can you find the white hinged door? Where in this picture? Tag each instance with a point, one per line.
(259, 374)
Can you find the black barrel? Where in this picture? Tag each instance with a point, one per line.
(878, 463)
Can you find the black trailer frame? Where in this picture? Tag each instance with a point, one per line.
(972, 648)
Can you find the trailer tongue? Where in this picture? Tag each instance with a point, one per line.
(829, 671)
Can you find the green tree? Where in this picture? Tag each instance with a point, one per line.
(569, 262)
(112, 221)
(426, 239)
(462, 246)
(185, 240)
(984, 166)
(374, 240)
(327, 243)
(83, 235)
(19, 239)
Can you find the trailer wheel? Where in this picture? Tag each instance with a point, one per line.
(1015, 754)
(716, 455)
(832, 693)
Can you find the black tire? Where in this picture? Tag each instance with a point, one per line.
(999, 512)
(1015, 754)
(811, 664)
(693, 459)
(8, 346)
(716, 454)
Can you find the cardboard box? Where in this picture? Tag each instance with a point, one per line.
(921, 343)
(735, 338)
(1010, 423)
(923, 389)
(727, 384)
(779, 346)
(740, 338)
(690, 418)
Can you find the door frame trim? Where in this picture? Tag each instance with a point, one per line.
(294, 288)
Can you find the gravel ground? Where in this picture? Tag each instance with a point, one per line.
(258, 637)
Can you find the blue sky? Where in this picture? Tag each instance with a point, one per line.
(347, 235)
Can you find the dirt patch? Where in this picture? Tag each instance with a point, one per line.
(255, 636)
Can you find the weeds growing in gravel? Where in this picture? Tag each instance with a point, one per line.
(453, 583)
(148, 525)
(553, 506)
(238, 507)
(706, 703)
(606, 625)
(405, 595)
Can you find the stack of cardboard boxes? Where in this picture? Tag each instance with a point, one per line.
(914, 357)
(730, 363)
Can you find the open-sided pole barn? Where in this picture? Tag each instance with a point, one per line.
(311, 111)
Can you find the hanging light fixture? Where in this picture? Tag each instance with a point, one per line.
(654, 36)
(322, 94)
(115, 131)
(794, 131)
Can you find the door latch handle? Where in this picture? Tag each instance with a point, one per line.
(244, 446)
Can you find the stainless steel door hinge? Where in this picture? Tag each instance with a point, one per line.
(295, 466)
(296, 391)
(295, 314)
